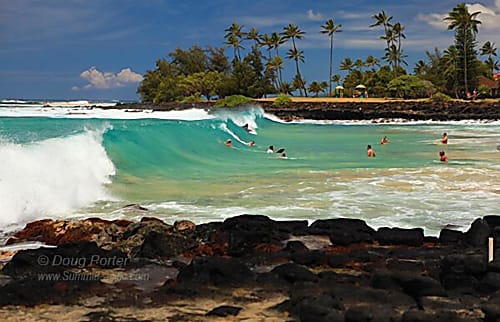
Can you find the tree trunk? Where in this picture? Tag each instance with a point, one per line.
(465, 61)
(331, 59)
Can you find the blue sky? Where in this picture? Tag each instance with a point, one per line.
(90, 49)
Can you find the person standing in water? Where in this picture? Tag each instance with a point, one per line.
(384, 140)
(369, 151)
(444, 139)
(443, 157)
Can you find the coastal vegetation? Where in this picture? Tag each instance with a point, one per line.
(256, 71)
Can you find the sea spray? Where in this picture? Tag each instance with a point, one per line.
(53, 176)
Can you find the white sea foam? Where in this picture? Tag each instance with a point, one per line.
(51, 177)
(387, 121)
(241, 116)
(99, 113)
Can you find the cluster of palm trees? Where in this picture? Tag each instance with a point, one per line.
(235, 36)
(457, 58)
(393, 37)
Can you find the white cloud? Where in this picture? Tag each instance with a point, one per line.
(106, 80)
(314, 16)
(489, 17)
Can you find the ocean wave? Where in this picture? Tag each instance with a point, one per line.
(53, 176)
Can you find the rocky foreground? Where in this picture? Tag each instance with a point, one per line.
(250, 268)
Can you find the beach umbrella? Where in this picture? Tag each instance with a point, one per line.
(360, 86)
(339, 87)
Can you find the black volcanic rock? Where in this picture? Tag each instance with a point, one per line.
(224, 310)
(215, 271)
(343, 231)
(400, 236)
(450, 236)
(478, 233)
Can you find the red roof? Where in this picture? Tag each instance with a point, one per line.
(496, 76)
(488, 82)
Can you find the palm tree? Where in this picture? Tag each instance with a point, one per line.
(492, 64)
(293, 32)
(330, 28)
(382, 19)
(359, 64)
(275, 65)
(265, 40)
(286, 88)
(398, 29)
(336, 78)
(420, 68)
(233, 38)
(394, 55)
(371, 61)
(490, 50)
(464, 23)
(277, 41)
(324, 86)
(253, 34)
(315, 87)
(346, 64)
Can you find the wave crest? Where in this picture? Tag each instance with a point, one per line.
(53, 176)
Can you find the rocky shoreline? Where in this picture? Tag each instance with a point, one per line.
(361, 110)
(250, 268)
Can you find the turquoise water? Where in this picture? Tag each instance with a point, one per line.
(82, 164)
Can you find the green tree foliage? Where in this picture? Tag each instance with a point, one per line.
(248, 77)
(393, 37)
(465, 25)
(207, 84)
(217, 60)
(193, 60)
(233, 101)
(490, 50)
(410, 86)
(293, 32)
(234, 36)
(159, 85)
(282, 100)
(315, 88)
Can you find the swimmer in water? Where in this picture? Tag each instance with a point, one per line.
(443, 157)
(444, 139)
(229, 143)
(369, 151)
(384, 140)
(283, 156)
(270, 149)
(251, 143)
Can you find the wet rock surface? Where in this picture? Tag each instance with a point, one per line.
(251, 266)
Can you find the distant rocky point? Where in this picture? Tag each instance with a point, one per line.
(358, 109)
